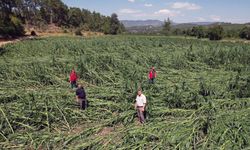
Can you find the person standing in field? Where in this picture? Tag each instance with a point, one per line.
(81, 97)
(140, 105)
(73, 78)
(152, 75)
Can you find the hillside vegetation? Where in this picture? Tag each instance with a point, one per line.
(200, 99)
(40, 15)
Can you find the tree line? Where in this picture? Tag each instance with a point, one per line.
(214, 32)
(14, 14)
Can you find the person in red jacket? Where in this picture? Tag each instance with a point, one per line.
(152, 75)
(73, 78)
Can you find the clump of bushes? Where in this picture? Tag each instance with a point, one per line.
(245, 33)
(216, 33)
(78, 32)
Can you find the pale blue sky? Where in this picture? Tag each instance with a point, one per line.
(236, 11)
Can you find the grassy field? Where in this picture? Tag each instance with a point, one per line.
(201, 99)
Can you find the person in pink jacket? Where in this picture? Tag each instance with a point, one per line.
(152, 75)
(73, 78)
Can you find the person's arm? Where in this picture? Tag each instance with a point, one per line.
(144, 102)
(135, 105)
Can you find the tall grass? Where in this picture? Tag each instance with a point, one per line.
(200, 99)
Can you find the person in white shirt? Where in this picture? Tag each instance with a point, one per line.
(140, 105)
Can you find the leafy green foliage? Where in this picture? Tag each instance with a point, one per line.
(114, 24)
(10, 24)
(39, 14)
(199, 32)
(200, 99)
(166, 27)
(215, 33)
(245, 33)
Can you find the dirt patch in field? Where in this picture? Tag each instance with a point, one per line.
(106, 131)
(109, 130)
(4, 41)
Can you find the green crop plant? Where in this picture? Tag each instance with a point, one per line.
(200, 99)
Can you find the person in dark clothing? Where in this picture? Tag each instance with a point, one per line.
(81, 97)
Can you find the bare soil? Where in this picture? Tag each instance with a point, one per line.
(106, 131)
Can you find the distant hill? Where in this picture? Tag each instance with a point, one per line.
(155, 26)
(192, 24)
(144, 29)
(136, 23)
(158, 23)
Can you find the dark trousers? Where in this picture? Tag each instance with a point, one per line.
(83, 103)
(151, 81)
(73, 84)
(140, 115)
(145, 114)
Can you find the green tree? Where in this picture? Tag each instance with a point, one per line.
(87, 19)
(114, 24)
(29, 12)
(188, 32)
(177, 31)
(54, 11)
(215, 32)
(245, 33)
(15, 13)
(10, 24)
(106, 26)
(199, 31)
(75, 17)
(166, 27)
(97, 22)
(232, 33)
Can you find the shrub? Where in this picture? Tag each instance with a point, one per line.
(18, 27)
(199, 32)
(78, 32)
(215, 33)
(245, 33)
(65, 31)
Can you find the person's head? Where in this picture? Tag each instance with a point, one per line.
(73, 70)
(153, 68)
(79, 85)
(139, 92)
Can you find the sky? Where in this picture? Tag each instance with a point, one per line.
(235, 11)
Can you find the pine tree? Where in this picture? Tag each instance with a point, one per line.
(166, 27)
